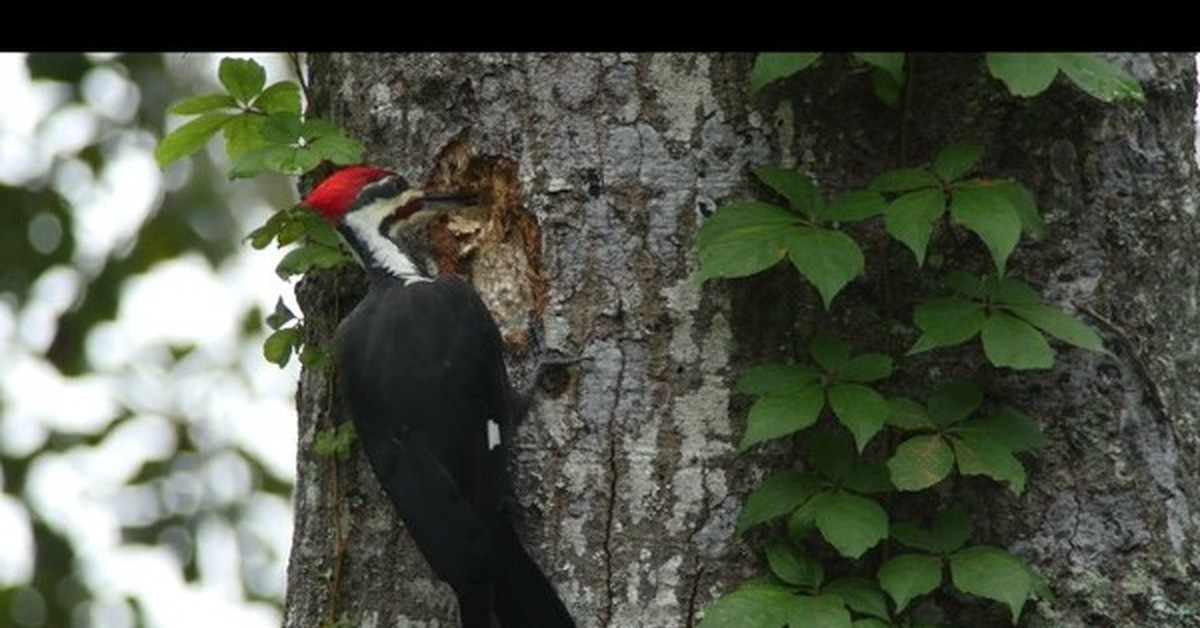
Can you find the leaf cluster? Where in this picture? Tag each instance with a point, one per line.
(836, 403)
(1023, 74)
(263, 126)
(265, 130)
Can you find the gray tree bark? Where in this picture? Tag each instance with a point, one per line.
(598, 169)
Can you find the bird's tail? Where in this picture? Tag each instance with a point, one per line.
(523, 597)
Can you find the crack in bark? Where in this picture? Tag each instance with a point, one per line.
(611, 507)
(1075, 528)
(689, 618)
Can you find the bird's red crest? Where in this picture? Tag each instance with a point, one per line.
(332, 198)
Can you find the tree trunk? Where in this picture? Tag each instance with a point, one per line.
(597, 171)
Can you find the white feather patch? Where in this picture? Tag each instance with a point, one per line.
(493, 434)
(365, 222)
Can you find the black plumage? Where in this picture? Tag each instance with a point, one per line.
(421, 367)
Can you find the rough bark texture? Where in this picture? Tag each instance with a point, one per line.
(597, 170)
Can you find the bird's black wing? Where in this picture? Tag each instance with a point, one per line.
(423, 374)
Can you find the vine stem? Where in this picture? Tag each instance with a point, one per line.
(298, 68)
(910, 76)
(889, 296)
(335, 462)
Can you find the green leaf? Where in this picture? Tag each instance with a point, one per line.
(872, 622)
(280, 316)
(946, 322)
(992, 573)
(292, 161)
(904, 180)
(829, 351)
(851, 523)
(304, 258)
(954, 402)
(966, 284)
(753, 605)
(318, 230)
(316, 128)
(1011, 342)
(282, 128)
(189, 138)
(775, 497)
(907, 414)
(868, 477)
(1010, 427)
(912, 217)
(253, 162)
(292, 231)
(956, 160)
(867, 367)
(861, 595)
(920, 462)
(743, 239)
(776, 416)
(772, 66)
(820, 611)
(801, 193)
(242, 135)
(801, 523)
(277, 348)
(1060, 325)
(978, 454)
(335, 441)
(1025, 74)
(793, 566)
(890, 62)
(314, 358)
(981, 209)
(204, 104)
(828, 259)
(888, 77)
(243, 78)
(1099, 78)
(855, 206)
(338, 149)
(1021, 200)
(886, 89)
(262, 236)
(777, 379)
(830, 453)
(909, 576)
(1012, 291)
(280, 97)
(950, 531)
(862, 410)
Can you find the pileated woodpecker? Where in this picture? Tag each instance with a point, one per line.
(421, 364)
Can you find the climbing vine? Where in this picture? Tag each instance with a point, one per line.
(861, 443)
(266, 130)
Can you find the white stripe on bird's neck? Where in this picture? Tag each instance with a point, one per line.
(365, 222)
